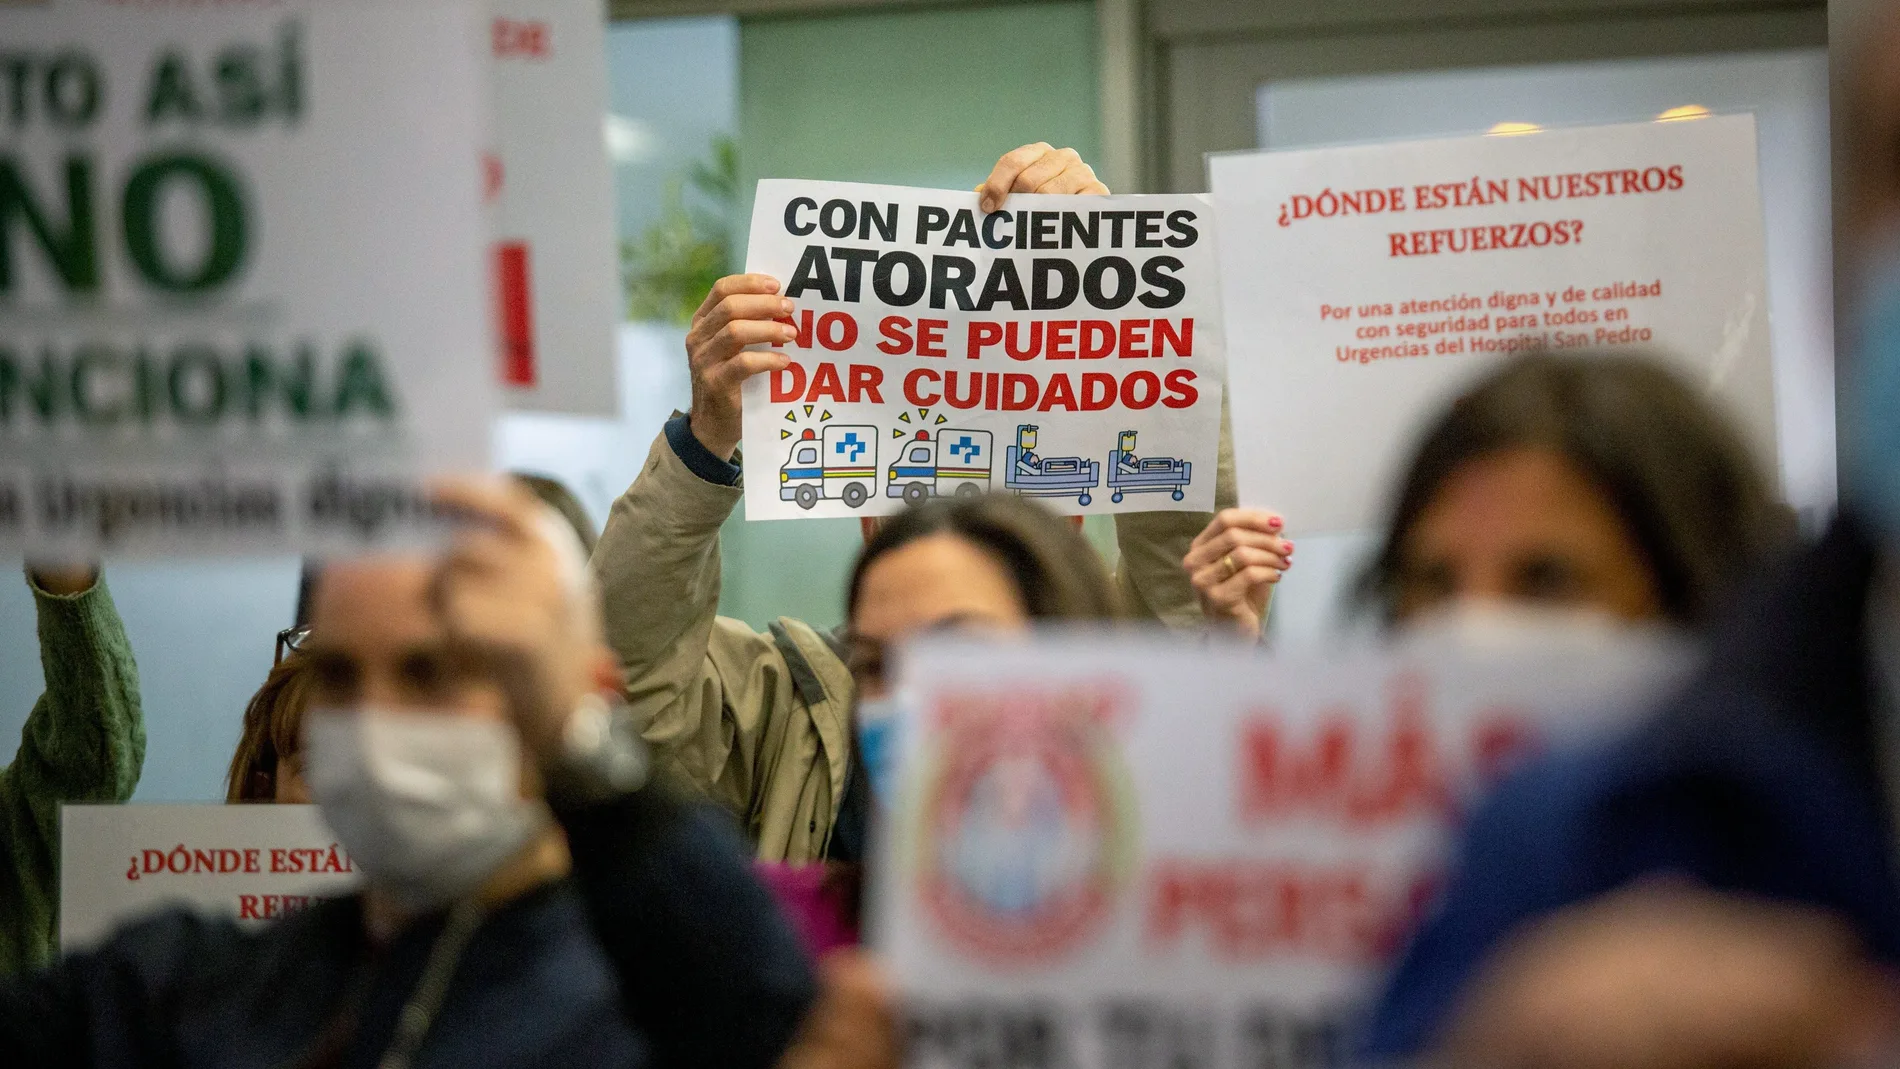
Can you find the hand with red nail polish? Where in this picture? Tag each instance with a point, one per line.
(1234, 564)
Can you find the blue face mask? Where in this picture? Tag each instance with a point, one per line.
(1873, 477)
(877, 744)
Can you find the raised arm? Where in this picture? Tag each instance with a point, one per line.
(84, 742)
(699, 686)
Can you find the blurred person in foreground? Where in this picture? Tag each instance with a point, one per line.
(529, 898)
(268, 763)
(1565, 489)
(764, 723)
(1719, 888)
(83, 742)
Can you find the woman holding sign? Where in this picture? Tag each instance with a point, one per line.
(530, 897)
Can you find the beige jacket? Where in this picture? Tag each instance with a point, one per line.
(761, 722)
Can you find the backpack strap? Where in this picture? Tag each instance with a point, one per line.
(805, 679)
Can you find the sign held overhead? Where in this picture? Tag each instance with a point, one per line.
(1370, 283)
(1064, 348)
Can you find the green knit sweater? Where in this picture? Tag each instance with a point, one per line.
(84, 742)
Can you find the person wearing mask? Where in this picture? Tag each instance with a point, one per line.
(994, 564)
(763, 723)
(1719, 886)
(268, 763)
(531, 896)
(83, 742)
(989, 565)
(1594, 486)
(1559, 488)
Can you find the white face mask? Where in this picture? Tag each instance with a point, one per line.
(1486, 626)
(428, 804)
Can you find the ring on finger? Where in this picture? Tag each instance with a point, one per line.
(1232, 568)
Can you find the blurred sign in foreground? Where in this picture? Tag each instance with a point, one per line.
(244, 295)
(557, 281)
(1138, 851)
(251, 862)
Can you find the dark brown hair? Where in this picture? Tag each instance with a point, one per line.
(1677, 474)
(1056, 571)
(272, 723)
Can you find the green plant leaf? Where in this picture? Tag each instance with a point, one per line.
(668, 270)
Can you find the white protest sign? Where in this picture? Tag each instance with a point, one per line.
(244, 293)
(251, 862)
(557, 279)
(1111, 844)
(1063, 348)
(1371, 282)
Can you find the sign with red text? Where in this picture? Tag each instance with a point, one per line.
(244, 287)
(1370, 283)
(251, 862)
(1145, 843)
(1062, 348)
(557, 278)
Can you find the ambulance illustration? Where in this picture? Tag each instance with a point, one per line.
(954, 463)
(841, 464)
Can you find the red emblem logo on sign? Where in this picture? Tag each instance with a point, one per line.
(1026, 825)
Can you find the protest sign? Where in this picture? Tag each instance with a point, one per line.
(251, 862)
(244, 298)
(557, 279)
(1064, 348)
(1145, 850)
(1371, 282)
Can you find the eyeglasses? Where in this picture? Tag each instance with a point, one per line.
(290, 640)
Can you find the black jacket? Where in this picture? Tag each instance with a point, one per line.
(661, 949)
(1760, 776)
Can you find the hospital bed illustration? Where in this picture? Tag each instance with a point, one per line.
(1035, 476)
(1132, 474)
